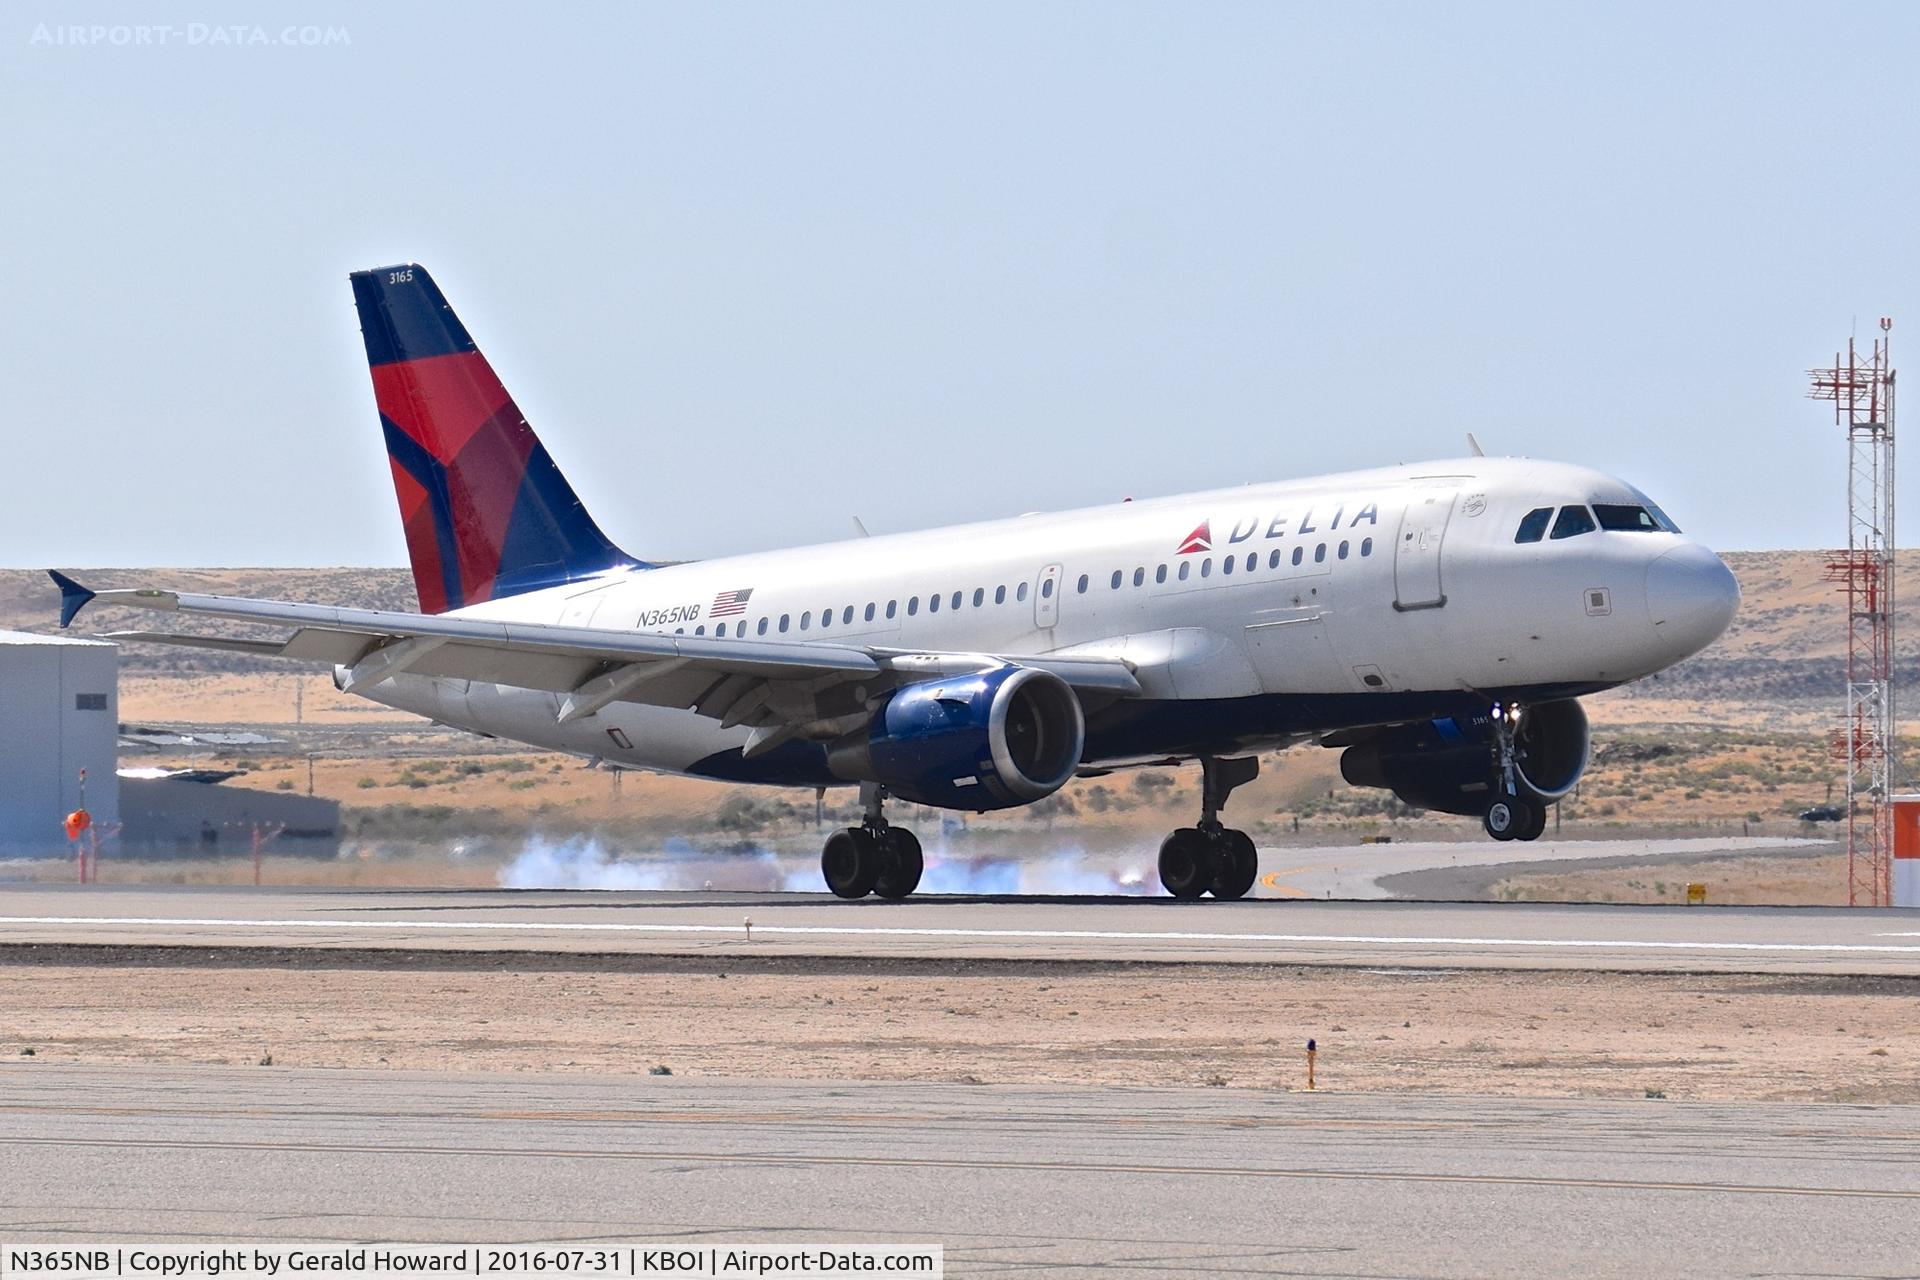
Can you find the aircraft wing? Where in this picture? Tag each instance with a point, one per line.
(778, 687)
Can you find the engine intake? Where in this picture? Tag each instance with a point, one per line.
(984, 740)
(1444, 766)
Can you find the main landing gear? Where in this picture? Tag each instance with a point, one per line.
(1511, 814)
(873, 857)
(1212, 857)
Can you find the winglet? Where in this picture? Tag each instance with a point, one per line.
(1474, 445)
(73, 596)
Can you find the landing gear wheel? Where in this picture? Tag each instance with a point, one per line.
(1239, 863)
(1505, 817)
(1187, 862)
(1536, 823)
(900, 863)
(851, 863)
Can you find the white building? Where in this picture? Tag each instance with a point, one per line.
(59, 714)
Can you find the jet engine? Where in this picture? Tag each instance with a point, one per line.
(983, 740)
(1441, 765)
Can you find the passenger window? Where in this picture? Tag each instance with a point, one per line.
(1226, 564)
(1206, 567)
(1020, 592)
(1116, 579)
(869, 613)
(1296, 554)
(933, 603)
(720, 630)
(846, 617)
(1366, 546)
(955, 602)
(999, 595)
(1533, 525)
(1343, 551)
(784, 618)
(1253, 560)
(1573, 522)
(826, 617)
(1186, 567)
(1320, 554)
(700, 631)
(892, 605)
(913, 605)
(1083, 584)
(1619, 518)
(763, 626)
(805, 618)
(1273, 561)
(1046, 589)
(1160, 574)
(979, 596)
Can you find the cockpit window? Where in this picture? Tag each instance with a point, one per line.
(1573, 521)
(1620, 518)
(1533, 525)
(1660, 517)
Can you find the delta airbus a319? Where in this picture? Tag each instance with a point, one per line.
(1437, 623)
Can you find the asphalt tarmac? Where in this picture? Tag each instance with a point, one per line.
(1012, 1180)
(1367, 933)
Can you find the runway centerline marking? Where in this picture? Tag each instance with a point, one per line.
(898, 931)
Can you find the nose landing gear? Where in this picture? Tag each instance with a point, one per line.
(874, 857)
(1212, 857)
(1511, 814)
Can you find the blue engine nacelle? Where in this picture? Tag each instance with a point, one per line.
(983, 740)
(1449, 767)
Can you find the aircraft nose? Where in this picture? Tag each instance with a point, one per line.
(1691, 598)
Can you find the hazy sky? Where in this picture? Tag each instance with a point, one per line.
(752, 269)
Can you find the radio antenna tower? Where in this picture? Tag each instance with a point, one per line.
(1861, 388)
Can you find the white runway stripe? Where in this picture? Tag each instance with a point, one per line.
(1115, 935)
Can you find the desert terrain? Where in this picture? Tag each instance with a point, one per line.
(1555, 1033)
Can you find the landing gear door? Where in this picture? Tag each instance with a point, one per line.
(1416, 556)
(1046, 597)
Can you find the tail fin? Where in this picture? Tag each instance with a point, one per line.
(486, 512)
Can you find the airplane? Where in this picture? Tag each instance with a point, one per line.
(1437, 623)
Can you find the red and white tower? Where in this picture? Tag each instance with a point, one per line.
(1861, 389)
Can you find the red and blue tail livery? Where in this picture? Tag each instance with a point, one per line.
(487, 513)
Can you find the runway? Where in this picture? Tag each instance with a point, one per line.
(1454, 935)
(1013, 1180)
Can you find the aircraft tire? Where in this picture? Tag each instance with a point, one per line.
(1239, 865)
(850, 863)
(1536, 823)
(1187, 862)
(900, 864)
(1505, 817)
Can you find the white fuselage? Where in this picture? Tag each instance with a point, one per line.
(1303, 606)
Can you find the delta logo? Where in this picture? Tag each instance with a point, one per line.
(1250, 527)
(1201, 539)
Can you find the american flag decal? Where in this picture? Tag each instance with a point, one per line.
(729, 603)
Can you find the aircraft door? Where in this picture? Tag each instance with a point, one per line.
(1046, 598)
(1416, 556)
(580, 609)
